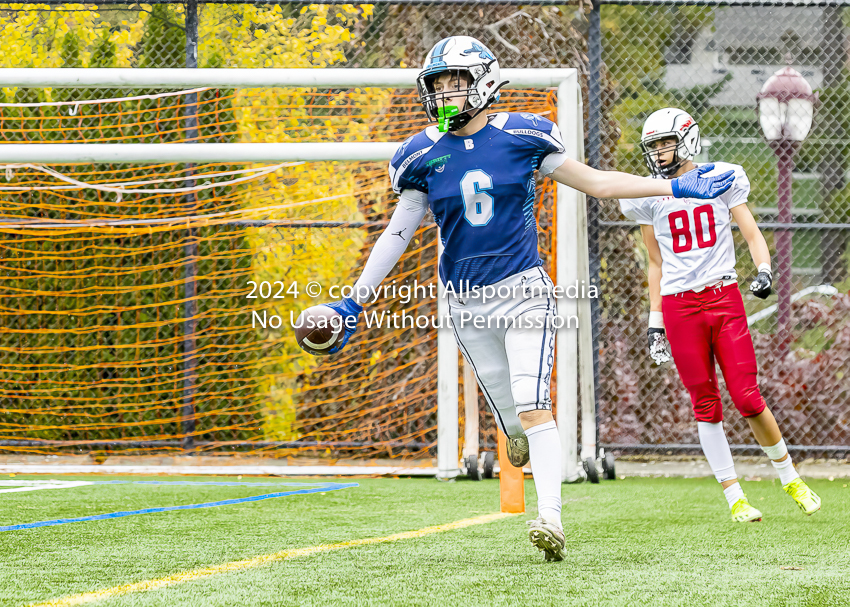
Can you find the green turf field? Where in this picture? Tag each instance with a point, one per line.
(646, 542)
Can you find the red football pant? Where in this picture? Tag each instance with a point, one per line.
(702, 326)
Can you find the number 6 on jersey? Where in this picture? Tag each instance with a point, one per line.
(477, 202)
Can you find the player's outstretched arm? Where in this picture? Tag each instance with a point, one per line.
(386, 252)
(763, 283)
(659, 347)
(613, 184)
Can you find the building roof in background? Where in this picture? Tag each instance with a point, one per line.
(746, 82)
(759, 28)
(764, 27)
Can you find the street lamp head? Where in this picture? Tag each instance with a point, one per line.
(786, 107)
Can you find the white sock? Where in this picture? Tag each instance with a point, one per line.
(787, 471)
(717, 451)
(785, 468)
(544, 451)
(733, 493)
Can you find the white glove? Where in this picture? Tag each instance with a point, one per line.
(659, 347)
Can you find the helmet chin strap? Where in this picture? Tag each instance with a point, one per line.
(450, 118)
(462, 119)
(670, 170)
(451, 122)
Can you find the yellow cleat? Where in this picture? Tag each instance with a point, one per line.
(742, 512)
(807, 500)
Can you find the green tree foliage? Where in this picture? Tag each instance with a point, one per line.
(635, 39)
(164, 40)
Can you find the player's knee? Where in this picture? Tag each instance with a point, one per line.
(535, 417)
(749, 402)
(710, 417)
(494, 382)
(709, 411)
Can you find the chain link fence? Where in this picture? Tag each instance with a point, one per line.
(712, 61)
(709, 59)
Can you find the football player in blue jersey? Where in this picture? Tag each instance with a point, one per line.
(476, 172)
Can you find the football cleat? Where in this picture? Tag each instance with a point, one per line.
(742, 512)
(807, 500)
(518, 450)
(548, 538)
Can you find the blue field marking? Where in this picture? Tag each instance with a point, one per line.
(254, 498)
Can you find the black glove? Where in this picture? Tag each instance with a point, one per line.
(763, 284)
(659, 347)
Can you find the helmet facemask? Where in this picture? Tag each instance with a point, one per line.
(440, 106)
(651, 154)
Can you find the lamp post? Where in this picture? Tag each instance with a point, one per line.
(786, 107)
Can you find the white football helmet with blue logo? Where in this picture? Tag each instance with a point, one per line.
(460, 54)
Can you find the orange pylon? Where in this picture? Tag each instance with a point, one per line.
(511, 481)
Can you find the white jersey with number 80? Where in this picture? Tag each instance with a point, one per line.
(695, 236)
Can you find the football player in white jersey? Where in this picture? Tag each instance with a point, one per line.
(693, 291)
(476, 172)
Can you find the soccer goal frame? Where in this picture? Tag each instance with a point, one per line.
(575, 373)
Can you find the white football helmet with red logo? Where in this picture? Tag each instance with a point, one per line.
(669, 123)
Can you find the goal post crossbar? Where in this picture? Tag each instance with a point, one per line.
(228, 78)
(216, 153)
(574, 372)
(71, 153)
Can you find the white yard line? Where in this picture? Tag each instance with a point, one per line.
(217, 470)
(18, 486)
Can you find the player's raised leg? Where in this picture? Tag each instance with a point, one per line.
(737, 359)
(484, 351)
(766, 430)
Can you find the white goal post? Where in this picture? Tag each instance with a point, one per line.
(573, 372)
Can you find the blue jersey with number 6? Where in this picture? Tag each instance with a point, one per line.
(481, 190)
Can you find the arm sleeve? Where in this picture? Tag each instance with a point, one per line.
(740, 190)
(637, 209)
(408, 214)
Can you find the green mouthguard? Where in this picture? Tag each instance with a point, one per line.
(444, 113)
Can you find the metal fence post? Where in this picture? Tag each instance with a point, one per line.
(594, 159)
(190, 307)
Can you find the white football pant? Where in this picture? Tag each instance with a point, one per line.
(512, 349)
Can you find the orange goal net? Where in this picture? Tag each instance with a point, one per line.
(136, 299)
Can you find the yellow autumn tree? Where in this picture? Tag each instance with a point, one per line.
(248, 36)
(262, 37)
